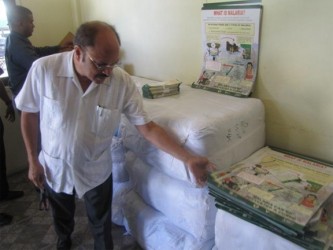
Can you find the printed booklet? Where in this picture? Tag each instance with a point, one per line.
(284, 193)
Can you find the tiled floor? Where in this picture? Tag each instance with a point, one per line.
(32, 229)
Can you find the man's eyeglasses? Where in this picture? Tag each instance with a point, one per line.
(101, 67)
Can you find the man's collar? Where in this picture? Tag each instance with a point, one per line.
(67, 68)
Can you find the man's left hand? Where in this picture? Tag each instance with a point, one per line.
(200, 168)
(10, 113)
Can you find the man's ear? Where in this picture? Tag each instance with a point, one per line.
(78, 52)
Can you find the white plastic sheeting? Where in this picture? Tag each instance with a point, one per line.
(120, 189)
(187, 207)
(226, 129)
(155, 196)
(154, 231)
(235, 233)
(119, 160)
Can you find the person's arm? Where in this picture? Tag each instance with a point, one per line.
(66, 44)
(10, 112)
(47, 50)
(23, 53)
(198, 165)
(30, 127)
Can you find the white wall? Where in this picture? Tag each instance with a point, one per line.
(296, 73)
(162, 40)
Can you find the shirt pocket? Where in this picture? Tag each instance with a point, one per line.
(52, 116)
(105, 121)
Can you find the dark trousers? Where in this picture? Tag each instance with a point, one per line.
(3, 171)
(98, 207)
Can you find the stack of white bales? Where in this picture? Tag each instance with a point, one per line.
(161, 205)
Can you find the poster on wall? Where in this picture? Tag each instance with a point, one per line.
(231, 48)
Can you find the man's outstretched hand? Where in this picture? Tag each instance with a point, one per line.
(200, 168)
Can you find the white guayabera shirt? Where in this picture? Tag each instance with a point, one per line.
(76, 126)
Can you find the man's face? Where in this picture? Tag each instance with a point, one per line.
(96, 63)
(99, 67)
(27, 26)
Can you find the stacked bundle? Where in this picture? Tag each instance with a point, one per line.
(281, 192)
(161, 89)
(120, 177)
(160, 204)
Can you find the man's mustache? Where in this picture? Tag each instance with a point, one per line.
(102, 75)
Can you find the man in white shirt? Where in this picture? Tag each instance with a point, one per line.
(78, 97)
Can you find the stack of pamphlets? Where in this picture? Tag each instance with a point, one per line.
(161, 89)
(285, 193)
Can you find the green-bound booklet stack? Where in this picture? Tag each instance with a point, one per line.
(285, 193)
(161, 89)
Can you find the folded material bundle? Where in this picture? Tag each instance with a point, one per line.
(153, 230)
(233, 232)
(199, 222)
(162, 89)
(226, 130)
(285, 193)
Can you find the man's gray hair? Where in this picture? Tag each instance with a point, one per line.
(86, 33)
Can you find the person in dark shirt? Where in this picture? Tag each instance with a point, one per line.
(19, 51)
(5, 193)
